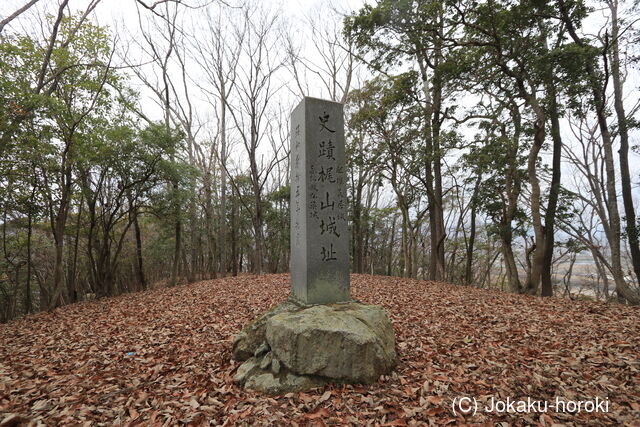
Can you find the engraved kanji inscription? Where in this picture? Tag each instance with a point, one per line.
(328, 254)
(329, 226)
(326, 175)
(326, 149)
(323, 122)
(327, 204)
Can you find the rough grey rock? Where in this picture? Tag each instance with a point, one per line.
(267, 382)
(262, 349)
(314, 345)
(247, 368)
(275, 366)
(266, 361)
(249, 340)
(352, 342)
(254, 373)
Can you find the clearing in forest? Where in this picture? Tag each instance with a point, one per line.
(164, 356)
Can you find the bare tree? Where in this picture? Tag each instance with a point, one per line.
(218, 60)
(17, 13)
(255, 88)
(597, 85)
(159, 43)
(332, 64)
(623, 120)
(589, 158)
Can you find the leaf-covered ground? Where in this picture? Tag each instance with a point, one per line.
(163, 357)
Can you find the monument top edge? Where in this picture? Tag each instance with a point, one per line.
(311, 98)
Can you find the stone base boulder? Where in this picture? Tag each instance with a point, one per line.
(252, 336)
(294, 347)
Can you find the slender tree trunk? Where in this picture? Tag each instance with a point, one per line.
(259, 253)
(428, 173)
(392, 242)
(28, 302)
(209, 224)
(176, 253)
(257, 220)
(413, 239)
(468, 273)
(552, 204)
(437, 154)
(139, 260)
(28, 285)
(59, 225)
(438, 211)
(405, 256)
(613, 236)
(234, 237)
(59, 260)
(357, 231)
(72, 276)
(623, 130)
(602, 272)
(222, 218)
(192, 265)
(510, 262)
(14, 298)
(612, 206)
(432, 176)
(193, 249)
(537, 260)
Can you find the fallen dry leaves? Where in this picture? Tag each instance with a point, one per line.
(163, 357)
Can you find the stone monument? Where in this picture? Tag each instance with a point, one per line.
(319, 233)
(320, 334)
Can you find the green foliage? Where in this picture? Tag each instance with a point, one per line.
(385, 110)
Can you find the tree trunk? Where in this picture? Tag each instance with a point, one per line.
(537, 260)
(438, 211)
(259, 251)
(59, 225)
(436, 154)
(257, 222)
(28, 303)
(73, 292)
(392, 242)
(613, 236)
(209, 225)
(192, 265)
(552, 204)
(139, 260)
(468, 273)
(234, 237)
(510, 262)
(623, 130)
(57, 272)
(404, 255)
(357, 230)
(222, 229)
(176, 253)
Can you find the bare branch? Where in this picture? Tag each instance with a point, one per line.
(17, 13)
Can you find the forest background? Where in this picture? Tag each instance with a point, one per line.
(489, 144)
